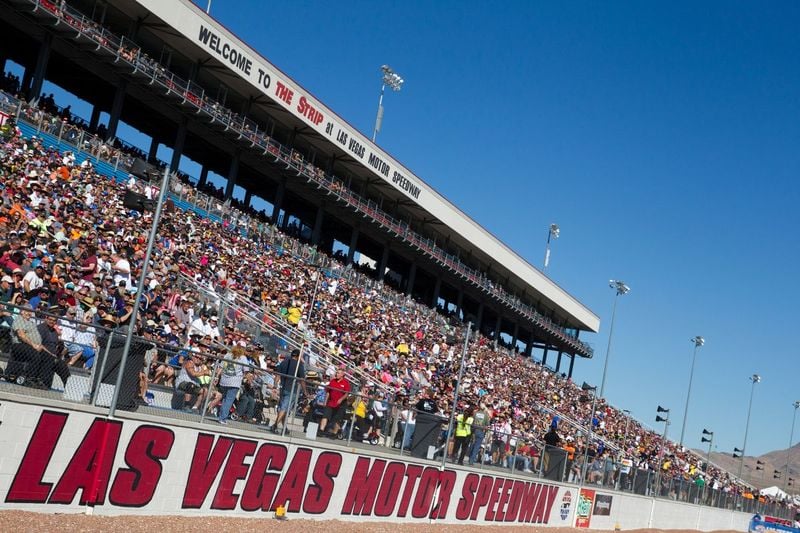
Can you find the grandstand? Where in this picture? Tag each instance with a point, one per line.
(178, 90)
(273, 277)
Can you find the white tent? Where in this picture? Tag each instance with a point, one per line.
(773, 491)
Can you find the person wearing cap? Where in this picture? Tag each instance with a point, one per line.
(200, 326)
(27, 347)
(213, 328)
(289, 369)
(316, 407)
(480, 423)
(49, 333)
(6, 292)
(42, 296)
(188, 381)
(33, 281)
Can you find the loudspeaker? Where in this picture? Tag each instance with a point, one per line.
(641, 481)
(139, 169)
(129, 390)
(555, 463)
(138, 202)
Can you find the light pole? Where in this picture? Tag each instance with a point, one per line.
(151, 239)
(467, 333)
(627, 425)
(660, 418)
(586, 387)
(553, 232)
(710, 441)
(698, 342)
(395, 82)
(755, 378)
(796, 405)
(620, 288)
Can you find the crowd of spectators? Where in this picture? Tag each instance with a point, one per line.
(69, 246)
(249, 130)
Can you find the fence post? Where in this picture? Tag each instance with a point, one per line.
(209, 391)
(162, 194)
(96, 390)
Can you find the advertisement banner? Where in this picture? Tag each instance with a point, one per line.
(63, 460)
(602, 505)
(583, 513)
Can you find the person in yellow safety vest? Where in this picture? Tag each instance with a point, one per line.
(463, 433)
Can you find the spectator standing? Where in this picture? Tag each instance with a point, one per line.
(231, 374)
(338, 389)
(463, 431)
(480, 422)
(287, 370)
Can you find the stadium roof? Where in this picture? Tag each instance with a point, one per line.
(190, 31)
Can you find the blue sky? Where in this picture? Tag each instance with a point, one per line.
(664, 139)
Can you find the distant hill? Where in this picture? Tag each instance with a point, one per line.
(774, 460)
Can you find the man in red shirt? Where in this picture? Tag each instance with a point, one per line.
(338, 390)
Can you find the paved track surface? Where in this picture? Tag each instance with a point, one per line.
(20, 521)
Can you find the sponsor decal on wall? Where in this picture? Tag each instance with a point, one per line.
(583, 511)
(602, 505)
(566, 505)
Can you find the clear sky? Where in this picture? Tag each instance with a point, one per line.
(663, 138)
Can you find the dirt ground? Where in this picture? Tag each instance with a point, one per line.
(20, 521)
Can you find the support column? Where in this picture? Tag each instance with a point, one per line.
(41, 65)
(353, 243)
(558, 362)
(177, 149)
(94, 120)
(3, 60)
(248, 196)
(515, 335)
(437, 288)
(479, 318)
(116, 108)
(497, 327)
(383, 263)
(233, 173)
(412, 277)
(459, 302)
(544, 356)
(571, 365)
(317, 232)
(278, 203)
(152, 154)
(529, 346)
(201, 182)
(25, 83)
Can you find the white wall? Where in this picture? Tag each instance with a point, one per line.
(158, 469)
